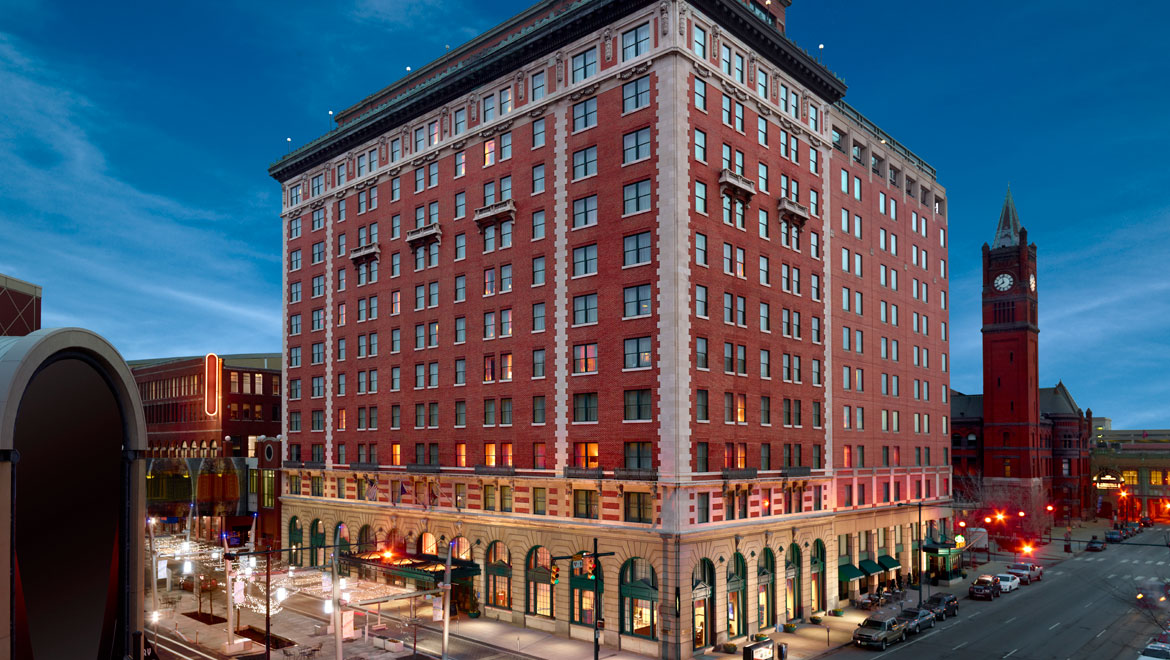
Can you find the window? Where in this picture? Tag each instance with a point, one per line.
(538, 225)
(584, 64)
(538, 363)
(636, 94)
(635, 42)
(636, 146)
(538, 86)
(585, 407)
(636, 249)
(585, 504)
(585, 359)
(538, 179)
(585, 309)
(639, 508)
(699, 41)
(637, 353)
(637, 300)
(585, 162)
(636, 197)
(637, 405)
(584, 212)
(585, 260)
(585, 455)
(585, 114)
(701, 300)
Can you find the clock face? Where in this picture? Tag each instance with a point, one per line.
(1032, 282)
(1003, 282)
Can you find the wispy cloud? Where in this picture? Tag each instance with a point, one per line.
(147, 270)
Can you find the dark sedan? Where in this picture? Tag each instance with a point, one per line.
(985, 586)
(1096, 545)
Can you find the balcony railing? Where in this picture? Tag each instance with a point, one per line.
(363, 467)
(792, 211)
(797, 471)
(293, 464)
(314, 465)
(424, 233)
(496, 212)
(582, 473)
(367, 251)
(636, 474)
(422, 468)
(496, 470)
(737, 185)
(739, 473)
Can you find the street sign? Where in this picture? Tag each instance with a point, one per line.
(238, 592)
(577, 564)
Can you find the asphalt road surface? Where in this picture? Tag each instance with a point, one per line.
(1083, 609)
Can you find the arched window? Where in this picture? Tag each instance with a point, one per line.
(341, 541)
(817, 576)
(766, 589)
(317, 543)
(365, 539)
(585, 588)
(638, 585)
(538, 577)
(462, 548)
(792, 582)
(427, 545)
(499, 575)
(296, 541)
(736, 597)
(703, 603)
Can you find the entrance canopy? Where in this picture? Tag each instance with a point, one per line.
(870, 567)
(889, 563)
(412, 566)
(848, 573)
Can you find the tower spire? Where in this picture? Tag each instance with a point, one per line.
(1007, 233)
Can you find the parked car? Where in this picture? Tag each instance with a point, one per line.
(916, 619)
(879, 631)
(985, 586)
(1095, 545)
(1147, 521)
(1134, 527)
(1008, 582)
(1113, 536)
(1155, 651)
(943, 605)
(1026, 572)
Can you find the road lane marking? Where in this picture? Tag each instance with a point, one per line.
(1054, 625)
(960, 646)
(1148, 561)
(1011, 652)
(1010, 620)
(1111, 576)
(1161, 562)
(1140, 577)
(1100, 633)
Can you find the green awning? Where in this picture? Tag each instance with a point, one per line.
(848, 573)
(889, 563)
(870, 567)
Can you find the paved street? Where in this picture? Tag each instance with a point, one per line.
(1082, 609)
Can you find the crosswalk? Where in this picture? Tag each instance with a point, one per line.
(1147, 562)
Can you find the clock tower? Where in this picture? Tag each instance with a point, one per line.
(1012, 434)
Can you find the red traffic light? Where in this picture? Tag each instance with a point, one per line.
(1049, 507)
(1021, 514)
(986, 519)
(555, 573)
(962, 523)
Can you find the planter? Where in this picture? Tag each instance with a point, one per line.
(837, 612)
(728, 648)
(815, 619)
(395, 645)
(474, 615)
(759, 637)
(790, 627)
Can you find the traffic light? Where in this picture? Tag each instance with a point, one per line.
(1021, 514)
(1049, 508)
(963, 524)
(1027, 549)
(589, 566)
(999, 516)
(555, 572)
(987, 519)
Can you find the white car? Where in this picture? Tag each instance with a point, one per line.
(1155, 651)
(1008, 582)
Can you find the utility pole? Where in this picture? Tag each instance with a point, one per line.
(446, 587)
(231, 594)
(336, 608)
(268, 603)
(598, 619)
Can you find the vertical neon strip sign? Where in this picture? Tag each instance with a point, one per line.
(211, 385)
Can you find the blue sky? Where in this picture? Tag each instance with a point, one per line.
(135, 137)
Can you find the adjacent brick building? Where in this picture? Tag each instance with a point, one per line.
(208, 420)
(1019, 447)
(20, 307)
(620, 270)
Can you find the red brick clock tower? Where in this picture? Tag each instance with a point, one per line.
(1016, 472)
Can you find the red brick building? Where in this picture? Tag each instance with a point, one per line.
(20, 307)
(595, 274)
(1019, 447)
(205, 417)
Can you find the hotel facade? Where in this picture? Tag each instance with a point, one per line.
(628, 271)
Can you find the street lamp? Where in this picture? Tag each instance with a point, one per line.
(920, 548)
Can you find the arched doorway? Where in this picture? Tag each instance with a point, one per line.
(702, 603)
(817, 576)
(736, 597)
(296, 542)
(427, 544)
(341, 543)
(586, 586)
(638, 588)
(792, 583)
(538, 582)
(317, 543)
(766, 589)
(499, 575)
(461, 547)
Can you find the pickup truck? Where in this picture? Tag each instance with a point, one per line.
(879, 631)
(1028, 573)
